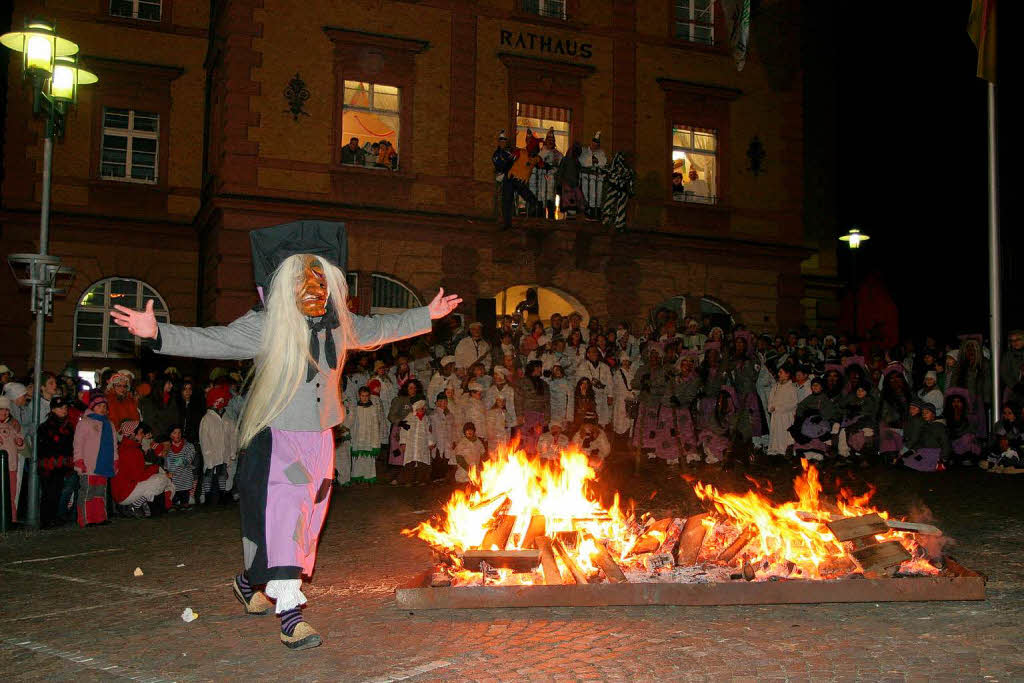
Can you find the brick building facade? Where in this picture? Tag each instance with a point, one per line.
(235, 154)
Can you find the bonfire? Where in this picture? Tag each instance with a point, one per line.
(524, 521)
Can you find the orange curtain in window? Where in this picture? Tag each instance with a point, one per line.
(538, 111)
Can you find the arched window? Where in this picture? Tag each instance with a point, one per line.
(96, 334)
(391, 296)
(718, 313)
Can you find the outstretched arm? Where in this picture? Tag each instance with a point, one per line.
(237, 341)
(383, 329)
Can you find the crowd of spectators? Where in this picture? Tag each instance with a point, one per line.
(679, 392)
(134, 448)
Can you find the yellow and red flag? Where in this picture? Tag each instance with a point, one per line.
(982, 28)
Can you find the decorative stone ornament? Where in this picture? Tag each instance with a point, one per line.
(296, 95)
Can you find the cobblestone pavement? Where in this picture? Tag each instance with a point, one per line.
(72, 609)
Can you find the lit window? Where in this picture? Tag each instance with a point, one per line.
(370, 114)
(694, 157)
(695, 21)
(391, 296)
(555, 9)
(130, 141)
(96, 334)
(540, 119)
(147, 10)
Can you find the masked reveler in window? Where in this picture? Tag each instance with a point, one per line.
(299, 339)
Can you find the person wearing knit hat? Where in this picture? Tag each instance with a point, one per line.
(218, 442)
(931, 392)
(95, 460)
(416, 441)
(12, 440)
(5, 375)
(122, 404)
(473, 408)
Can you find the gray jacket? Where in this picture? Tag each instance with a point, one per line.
(317, 404)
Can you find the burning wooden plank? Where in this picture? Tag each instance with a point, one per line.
(535, 529)
(849, 528)
(675, 529)
(881, 556)
(548, 565)
(691, 539)
(500, 528)
(916, 527)
(570, 564)
(603, 559)
(516, 560)
(653, 537)
(736, 546)
(894, 524)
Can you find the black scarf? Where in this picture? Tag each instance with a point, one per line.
(328, 321)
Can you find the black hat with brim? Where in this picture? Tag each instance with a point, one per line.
(271, 246)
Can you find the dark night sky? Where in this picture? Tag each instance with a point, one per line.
(911, 154)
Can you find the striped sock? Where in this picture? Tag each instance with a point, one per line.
(244, 586)
(290, 619)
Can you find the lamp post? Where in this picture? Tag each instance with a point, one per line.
(854, 238)
(51, 64)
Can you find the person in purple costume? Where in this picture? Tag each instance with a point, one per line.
(299, 339)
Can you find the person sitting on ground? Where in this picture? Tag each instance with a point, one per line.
(136, 485)
(592, 442)
(553, 442)
(928, 449)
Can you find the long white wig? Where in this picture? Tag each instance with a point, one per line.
(280, 367)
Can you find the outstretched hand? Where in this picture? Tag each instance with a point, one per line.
(140, 323)
(441, 305)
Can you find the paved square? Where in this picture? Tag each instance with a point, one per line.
(72, 609)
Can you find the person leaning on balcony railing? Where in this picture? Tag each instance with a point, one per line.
(352, 153)
(512, 183)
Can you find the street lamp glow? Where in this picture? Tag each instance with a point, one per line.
(66, 78)
(854, 238)
(39, 45)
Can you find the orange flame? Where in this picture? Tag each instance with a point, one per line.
(790, 539)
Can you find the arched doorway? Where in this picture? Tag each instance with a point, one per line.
(718, 314)
(549, 300)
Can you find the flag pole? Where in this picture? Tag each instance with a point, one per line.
(994, 299)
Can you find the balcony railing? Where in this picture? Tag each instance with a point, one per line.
(542, 185)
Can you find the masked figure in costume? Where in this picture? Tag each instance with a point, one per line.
(298, 340)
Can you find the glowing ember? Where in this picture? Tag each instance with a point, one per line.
(514, 499)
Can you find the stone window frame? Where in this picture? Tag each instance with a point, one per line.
(375, 58)
(548, 83)
(137, 86)
(165, 21)
(721, 42)
(572, 9)
(704, 106)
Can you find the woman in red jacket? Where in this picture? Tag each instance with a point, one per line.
(136, 484)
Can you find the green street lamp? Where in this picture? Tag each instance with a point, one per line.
(51, 64)
(854, 238)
